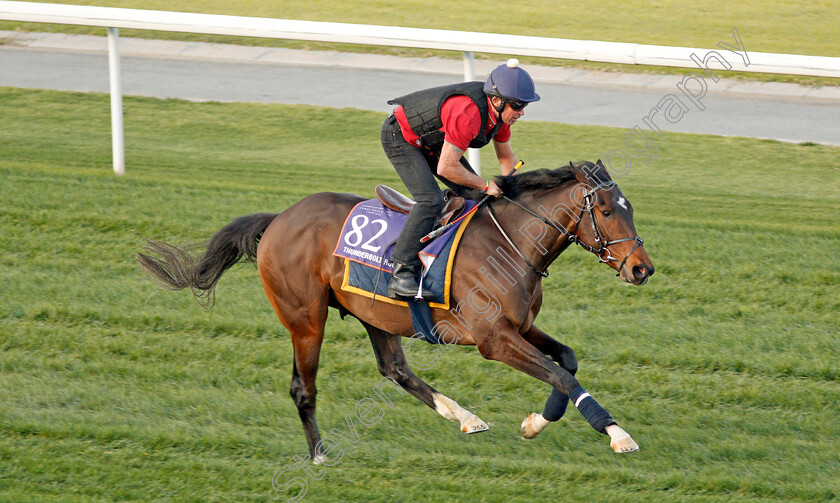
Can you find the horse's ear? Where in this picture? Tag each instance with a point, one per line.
(591, 174)
(603, 169)
(579, 173)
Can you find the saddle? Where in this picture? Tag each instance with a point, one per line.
(453, 205)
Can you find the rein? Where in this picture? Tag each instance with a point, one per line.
(602, 250)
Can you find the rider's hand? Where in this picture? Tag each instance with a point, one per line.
(493, 189)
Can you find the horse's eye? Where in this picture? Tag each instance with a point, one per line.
(607, 213)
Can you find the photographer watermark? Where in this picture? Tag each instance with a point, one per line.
(640, 142)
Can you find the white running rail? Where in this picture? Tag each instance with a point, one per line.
(393, 36)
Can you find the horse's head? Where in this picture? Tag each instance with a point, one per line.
(605, 223)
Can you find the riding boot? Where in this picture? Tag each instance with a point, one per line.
(404, 283)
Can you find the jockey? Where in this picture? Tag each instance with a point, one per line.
(426, 136)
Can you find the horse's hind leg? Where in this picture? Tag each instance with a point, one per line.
(392, 363)
(306, 326)
(307, 348)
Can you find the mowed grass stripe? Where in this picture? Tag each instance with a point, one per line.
(722, 367)
(671, 395)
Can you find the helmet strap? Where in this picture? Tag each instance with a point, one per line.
(500, 108)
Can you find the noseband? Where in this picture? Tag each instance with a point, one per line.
(602, 250)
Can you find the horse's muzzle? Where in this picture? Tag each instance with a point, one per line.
(641, 273)
(636, 275)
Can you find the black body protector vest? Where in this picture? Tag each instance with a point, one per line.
(422, 109)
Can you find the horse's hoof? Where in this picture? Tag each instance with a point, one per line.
(620, 440)
(474, 425)
(623, 445)
(318, 459)
(533, 425)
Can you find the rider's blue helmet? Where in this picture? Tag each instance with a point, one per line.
(510, 82)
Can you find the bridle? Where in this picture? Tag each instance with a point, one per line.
(602, 250)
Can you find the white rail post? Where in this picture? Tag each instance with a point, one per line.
(117, 136)
(473, 154)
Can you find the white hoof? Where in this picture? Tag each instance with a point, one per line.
(474, 425)
(318, 459)
(533, 425)
(620, 440)
(447, 408)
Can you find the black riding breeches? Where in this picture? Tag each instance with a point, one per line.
(417, 168)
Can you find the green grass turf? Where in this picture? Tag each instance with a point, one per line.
(778, 26)
(723, 368)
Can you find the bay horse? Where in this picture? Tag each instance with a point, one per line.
(496, 289)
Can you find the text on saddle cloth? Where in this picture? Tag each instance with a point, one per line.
(370, 231)
(366, 242)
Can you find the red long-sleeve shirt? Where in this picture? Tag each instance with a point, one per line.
(461, 123)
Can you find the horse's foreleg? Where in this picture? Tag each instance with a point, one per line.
(392, 363)
(560, 353)
(555, 406)
(506, 345)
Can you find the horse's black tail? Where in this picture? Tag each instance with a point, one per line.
(177, 268)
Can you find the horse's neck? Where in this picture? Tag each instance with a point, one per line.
(557, 207)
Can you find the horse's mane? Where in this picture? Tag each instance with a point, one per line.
(543, 180)
(539, 181)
